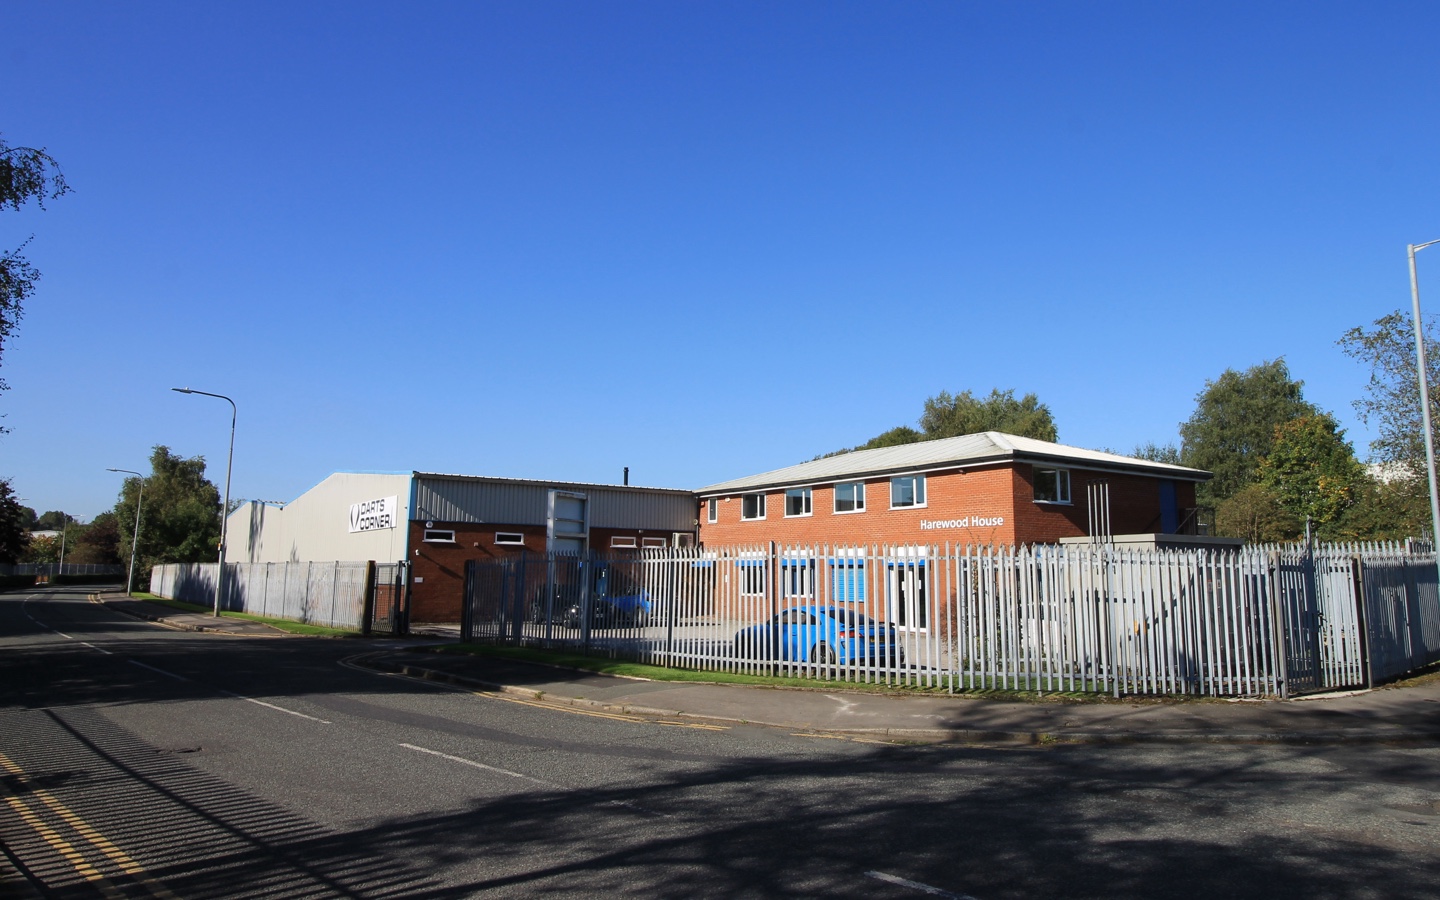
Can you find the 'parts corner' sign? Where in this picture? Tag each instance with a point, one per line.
(373, 515)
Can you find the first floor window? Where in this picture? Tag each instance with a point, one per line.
(652, 543)
(752, 506)
(797, 502)
(850, 497)
(1052, 485)
(440, 535)
(907, 490)
(506, 537)
(622, 543)
(712, 509)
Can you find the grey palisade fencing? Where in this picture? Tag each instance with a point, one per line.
(1264, 621)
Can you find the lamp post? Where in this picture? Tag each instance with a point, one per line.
(1425, 399)
(224, 510)
(135, 540)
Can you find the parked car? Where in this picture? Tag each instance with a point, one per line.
(821, 634)
(615, 601)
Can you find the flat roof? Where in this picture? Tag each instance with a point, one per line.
(966, 450)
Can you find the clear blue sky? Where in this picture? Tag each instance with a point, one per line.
(702, 240)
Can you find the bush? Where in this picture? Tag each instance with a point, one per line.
(10, 582)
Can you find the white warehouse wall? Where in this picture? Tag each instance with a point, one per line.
(316, 526)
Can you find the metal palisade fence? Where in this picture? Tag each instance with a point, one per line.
(1264, 621)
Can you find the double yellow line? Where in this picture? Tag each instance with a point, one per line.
(67, 850)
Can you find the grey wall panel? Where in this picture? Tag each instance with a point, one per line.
(524, 503)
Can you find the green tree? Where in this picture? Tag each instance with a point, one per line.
(180, 516)
(1392, 509)
(26, 174)
(951, 415)
(1161, 453)
(1233, 426)
(1392, 397)
(14, 525)
(98, 543)
(1256, 514)
(53, 520)
(1312, 469)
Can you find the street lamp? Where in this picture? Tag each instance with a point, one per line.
(1425, 400)
(134, 541)
(224, 510)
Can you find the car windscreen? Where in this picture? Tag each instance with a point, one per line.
(851, 619)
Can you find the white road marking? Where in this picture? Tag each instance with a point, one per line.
(549, 784)
(135, 662)
(917, 886)
(93, 647)
(271, 706)
(479, 765)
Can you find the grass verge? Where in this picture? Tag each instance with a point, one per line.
(282, 624)
(606, 666)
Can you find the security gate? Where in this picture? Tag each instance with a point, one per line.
(387, 599)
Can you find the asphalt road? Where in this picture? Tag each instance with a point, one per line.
(142, 762)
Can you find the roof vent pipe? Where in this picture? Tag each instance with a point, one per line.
(627, 476)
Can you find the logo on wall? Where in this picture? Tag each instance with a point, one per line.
(967, 522)
(373, 515)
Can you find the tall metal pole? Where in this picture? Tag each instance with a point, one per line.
(1425, 400)
(224, 510)
(134, 540)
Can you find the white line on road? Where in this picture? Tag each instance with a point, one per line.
(272, 706)
(93, 647)
(917, 886)
(135, 662)
(478, 765)
(634, 807)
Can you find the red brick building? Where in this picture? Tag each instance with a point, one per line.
(987, 488)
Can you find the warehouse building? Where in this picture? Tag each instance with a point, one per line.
(436, 522)
(988, 488)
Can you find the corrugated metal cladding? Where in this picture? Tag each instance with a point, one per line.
(524, 503)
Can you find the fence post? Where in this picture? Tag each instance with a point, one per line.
(1357, 580)
(772, 589)
(1278, 629)
(467, 618)
(368, 611)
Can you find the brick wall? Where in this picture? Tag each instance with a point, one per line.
(966, 504)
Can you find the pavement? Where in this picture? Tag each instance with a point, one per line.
(1405, 712)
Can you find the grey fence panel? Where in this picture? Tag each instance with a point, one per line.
(317, 593)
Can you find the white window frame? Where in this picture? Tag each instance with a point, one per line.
(509, 539)
(807, 498)
(433, 536)
(917, 489)
(622, 542)
(653, 543)
(760, 500)
(1063, 497)
(859, 497)
(712, 510)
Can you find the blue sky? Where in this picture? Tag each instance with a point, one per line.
(701, 240)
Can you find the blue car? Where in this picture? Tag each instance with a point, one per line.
(821, 634)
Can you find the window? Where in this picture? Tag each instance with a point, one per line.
(652, 543)
(622, 543)
(797, 502)
(440, 535)
(508, 537)
(752, 506)
(752, 576)
(850, 497)
(1052, 485)
(907, 490)
(797, 577)
(712, 509)
(847, 580)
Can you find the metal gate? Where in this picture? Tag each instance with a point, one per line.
(387, 599)
(1297, 623)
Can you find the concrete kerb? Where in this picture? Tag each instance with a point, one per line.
(375, 661)
(170, 621)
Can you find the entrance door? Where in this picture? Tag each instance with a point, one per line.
(909, 596)
(568, 523)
